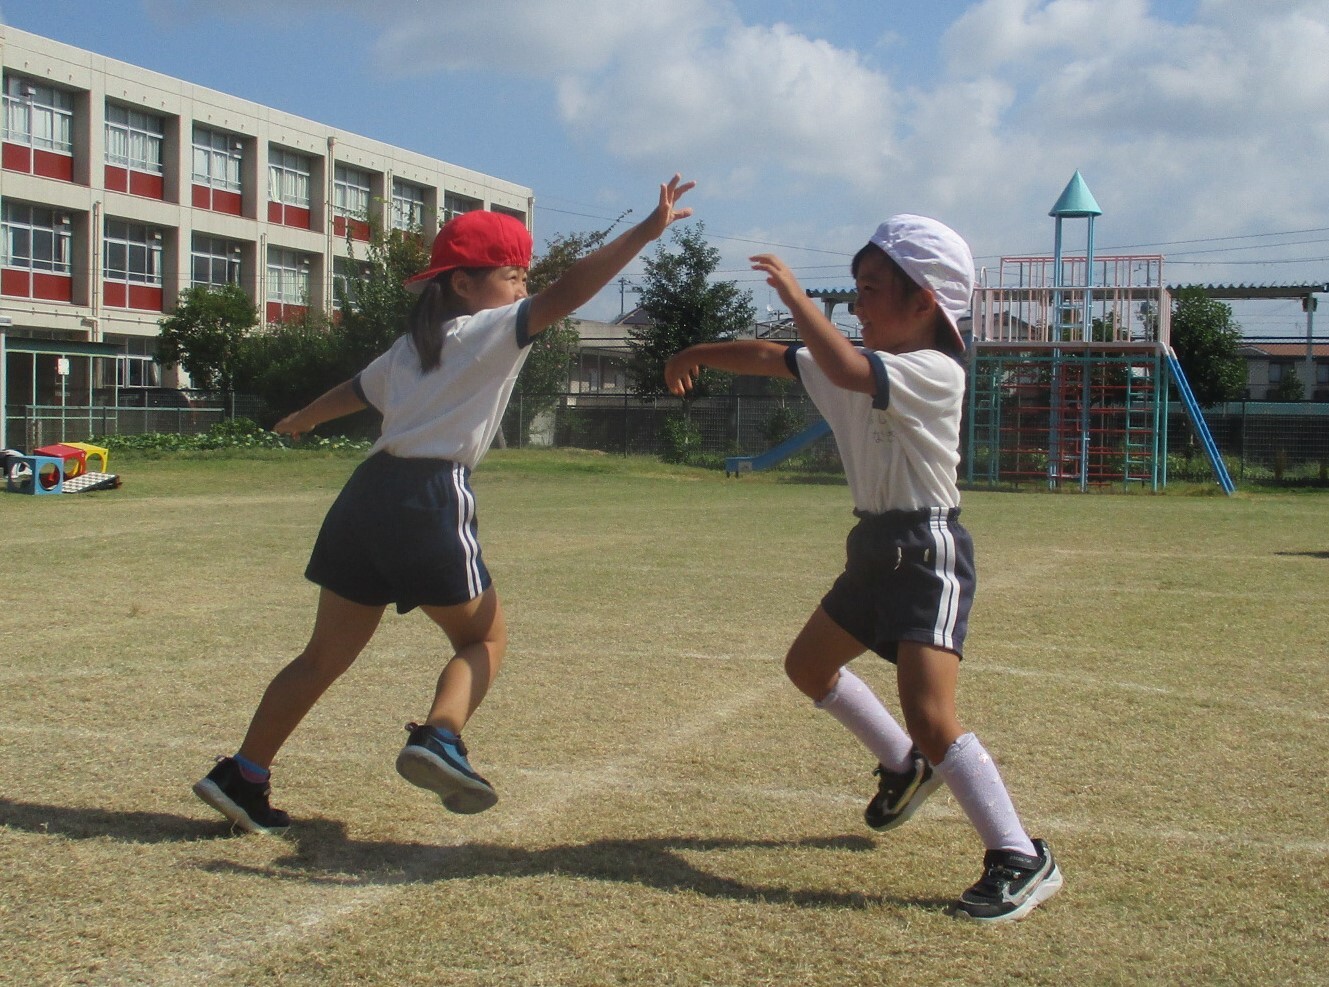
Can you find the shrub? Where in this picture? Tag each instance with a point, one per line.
(680, 440)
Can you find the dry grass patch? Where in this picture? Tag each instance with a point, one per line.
(1148, 670)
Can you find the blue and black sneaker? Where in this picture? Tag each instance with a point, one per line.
(435, 759)
(243, 802)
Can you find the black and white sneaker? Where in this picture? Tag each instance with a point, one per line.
(899, 794)
(435, 759)
(1013, 884)
(243, 802)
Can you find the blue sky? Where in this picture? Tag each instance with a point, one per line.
(1199, 125)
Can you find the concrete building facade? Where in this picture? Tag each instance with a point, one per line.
(121, 187)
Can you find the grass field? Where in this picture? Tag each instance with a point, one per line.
(1150, 672)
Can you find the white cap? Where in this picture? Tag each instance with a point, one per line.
(935, 257)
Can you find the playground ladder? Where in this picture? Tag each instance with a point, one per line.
(1198, 423)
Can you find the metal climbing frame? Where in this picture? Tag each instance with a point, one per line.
(1074, 415)
(1068, 379)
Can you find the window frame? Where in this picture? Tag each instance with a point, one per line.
(139, 241)
(286, 174)
(58, 258)
(42, 102)
(222, 152)
(284, 266)
(215, 250)
(136, 128)
(346, 192)
(408, 212)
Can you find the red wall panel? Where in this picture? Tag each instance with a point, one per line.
(17, 157)
(52, 287)
(15, 282)
(48, 164)
(147, 185)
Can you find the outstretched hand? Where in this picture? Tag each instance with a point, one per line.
(779, 277)
(667, 211)
(681, 372)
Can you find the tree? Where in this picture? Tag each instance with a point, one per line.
(684, 307)
(1207, 343)
(205, 334)
(544, 377)
(374, 306)
(1290, 388)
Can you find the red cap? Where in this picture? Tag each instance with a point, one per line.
(476, 239)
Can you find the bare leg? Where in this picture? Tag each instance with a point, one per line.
(927, 677)
(815, 658)
(479, 636)
(341, 631)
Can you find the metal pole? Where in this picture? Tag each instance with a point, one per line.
(1308, 304)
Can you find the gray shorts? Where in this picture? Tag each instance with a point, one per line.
(402, 531)
(908, 576)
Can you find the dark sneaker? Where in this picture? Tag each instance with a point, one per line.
(435, 759)
(1013, 884)
(243, 802)
(900, 794)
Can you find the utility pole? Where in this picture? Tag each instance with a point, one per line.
(624, 286)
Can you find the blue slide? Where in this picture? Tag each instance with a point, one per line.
(742, 464)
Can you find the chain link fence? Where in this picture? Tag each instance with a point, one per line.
(1260, 441)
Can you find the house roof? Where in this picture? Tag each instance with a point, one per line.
(1294, 351)
(1243, 291)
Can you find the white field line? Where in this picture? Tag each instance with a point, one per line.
(222, 960)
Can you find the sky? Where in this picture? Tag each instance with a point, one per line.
(1199, 126)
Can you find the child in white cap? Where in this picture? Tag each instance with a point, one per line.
(403, 530)
(894, 406)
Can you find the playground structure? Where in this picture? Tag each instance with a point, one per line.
(57, 469)
(1071, 371)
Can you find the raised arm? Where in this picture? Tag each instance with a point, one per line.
(842, 362)
(580, 282)
(341, 400)
(755, 357)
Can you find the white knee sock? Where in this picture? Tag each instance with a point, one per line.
(857, 709)
(974, 780)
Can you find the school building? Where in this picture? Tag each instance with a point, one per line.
(121, 187)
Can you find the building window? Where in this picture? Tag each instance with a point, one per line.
(1279, 371)
(454, 205)
(288, 178)
(217, 158)
(288, 277)
(132, 253)
(134, 139)
(35, 238)
(347, 276)
(38, 116)
(408, 206)
(215, 261)
(1321, 374)
(350, 193)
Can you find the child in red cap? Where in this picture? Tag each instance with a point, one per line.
(403, 530)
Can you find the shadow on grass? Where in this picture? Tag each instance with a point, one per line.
(1308, 554)
(322, 853)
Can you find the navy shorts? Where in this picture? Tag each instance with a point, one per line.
(402, 531)
(909, 576)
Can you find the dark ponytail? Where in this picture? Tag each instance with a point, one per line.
(436, 305)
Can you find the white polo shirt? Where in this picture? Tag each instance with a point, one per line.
(453, 411)
(901, 447)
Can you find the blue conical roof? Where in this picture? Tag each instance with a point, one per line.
(1076, 200)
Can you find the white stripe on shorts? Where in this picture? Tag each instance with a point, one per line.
(948, 606)
(465, 517)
